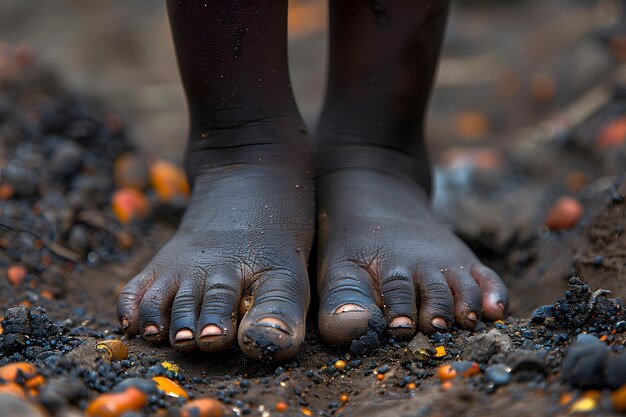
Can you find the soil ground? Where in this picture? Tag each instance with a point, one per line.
(567, 138)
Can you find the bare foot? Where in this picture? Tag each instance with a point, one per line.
(237, 265)
(386, 263)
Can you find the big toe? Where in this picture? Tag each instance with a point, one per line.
(274, 327)
(348, 310)
(346, 323)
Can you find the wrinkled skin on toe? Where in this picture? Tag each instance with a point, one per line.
(386, 262)
(235, 270)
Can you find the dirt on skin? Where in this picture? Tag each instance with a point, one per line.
(56, 314)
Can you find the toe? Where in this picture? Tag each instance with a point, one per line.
(184, 314)
(347, 305)
(398, 292)
(495, 296)
(155, 307)
(218, 315)
(129, 299)
(274, 327)
(436, 309)
(467, 297)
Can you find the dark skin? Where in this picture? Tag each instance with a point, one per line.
(236, 268)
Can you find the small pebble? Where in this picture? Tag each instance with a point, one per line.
(498, 375)
(542, 313)
(66, 158)
(585, 363)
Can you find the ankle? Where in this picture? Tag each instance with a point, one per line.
(279, 142)
(346, 156)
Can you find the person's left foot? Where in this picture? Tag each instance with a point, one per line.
(386, 263)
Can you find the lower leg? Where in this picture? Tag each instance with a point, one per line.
(236, 268)
(382, 253)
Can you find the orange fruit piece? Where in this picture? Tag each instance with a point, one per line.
(612, 135)
(16, 274)
(11, 371)
(202, 407)
(116, 404)
(129, 204)
(471, 125)
(281, 406)
(169, 181)
(170, 387)
(565, 213)
(446, 372)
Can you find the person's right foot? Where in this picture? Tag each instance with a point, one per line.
(238, 262)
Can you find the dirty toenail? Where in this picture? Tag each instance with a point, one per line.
(439, 323)
(349, 308)
(211, 330)
(150, 330)
(273, 323)
(125, 323)
(184, 334)
(401, 322)
(471, 316)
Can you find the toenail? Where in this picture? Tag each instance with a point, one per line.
(401, 322)
(472, 316)
(184, 334)
(150, 330)
(125, 323)
(273, 323)
(211, 330)
(349, 308)
(439, 323)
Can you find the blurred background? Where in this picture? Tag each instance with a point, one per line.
(506, 64)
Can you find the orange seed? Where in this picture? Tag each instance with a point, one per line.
(612, 135)
(116, 404)
(16, 274)
(129, 204)
(281, 406)
(11, 371)
(471, 125)
(202, 407)
(168, 180)
(565, 213)
(170, 387)
(112, 350)
(446, 372)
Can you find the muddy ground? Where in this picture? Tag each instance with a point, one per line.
(65, 254)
